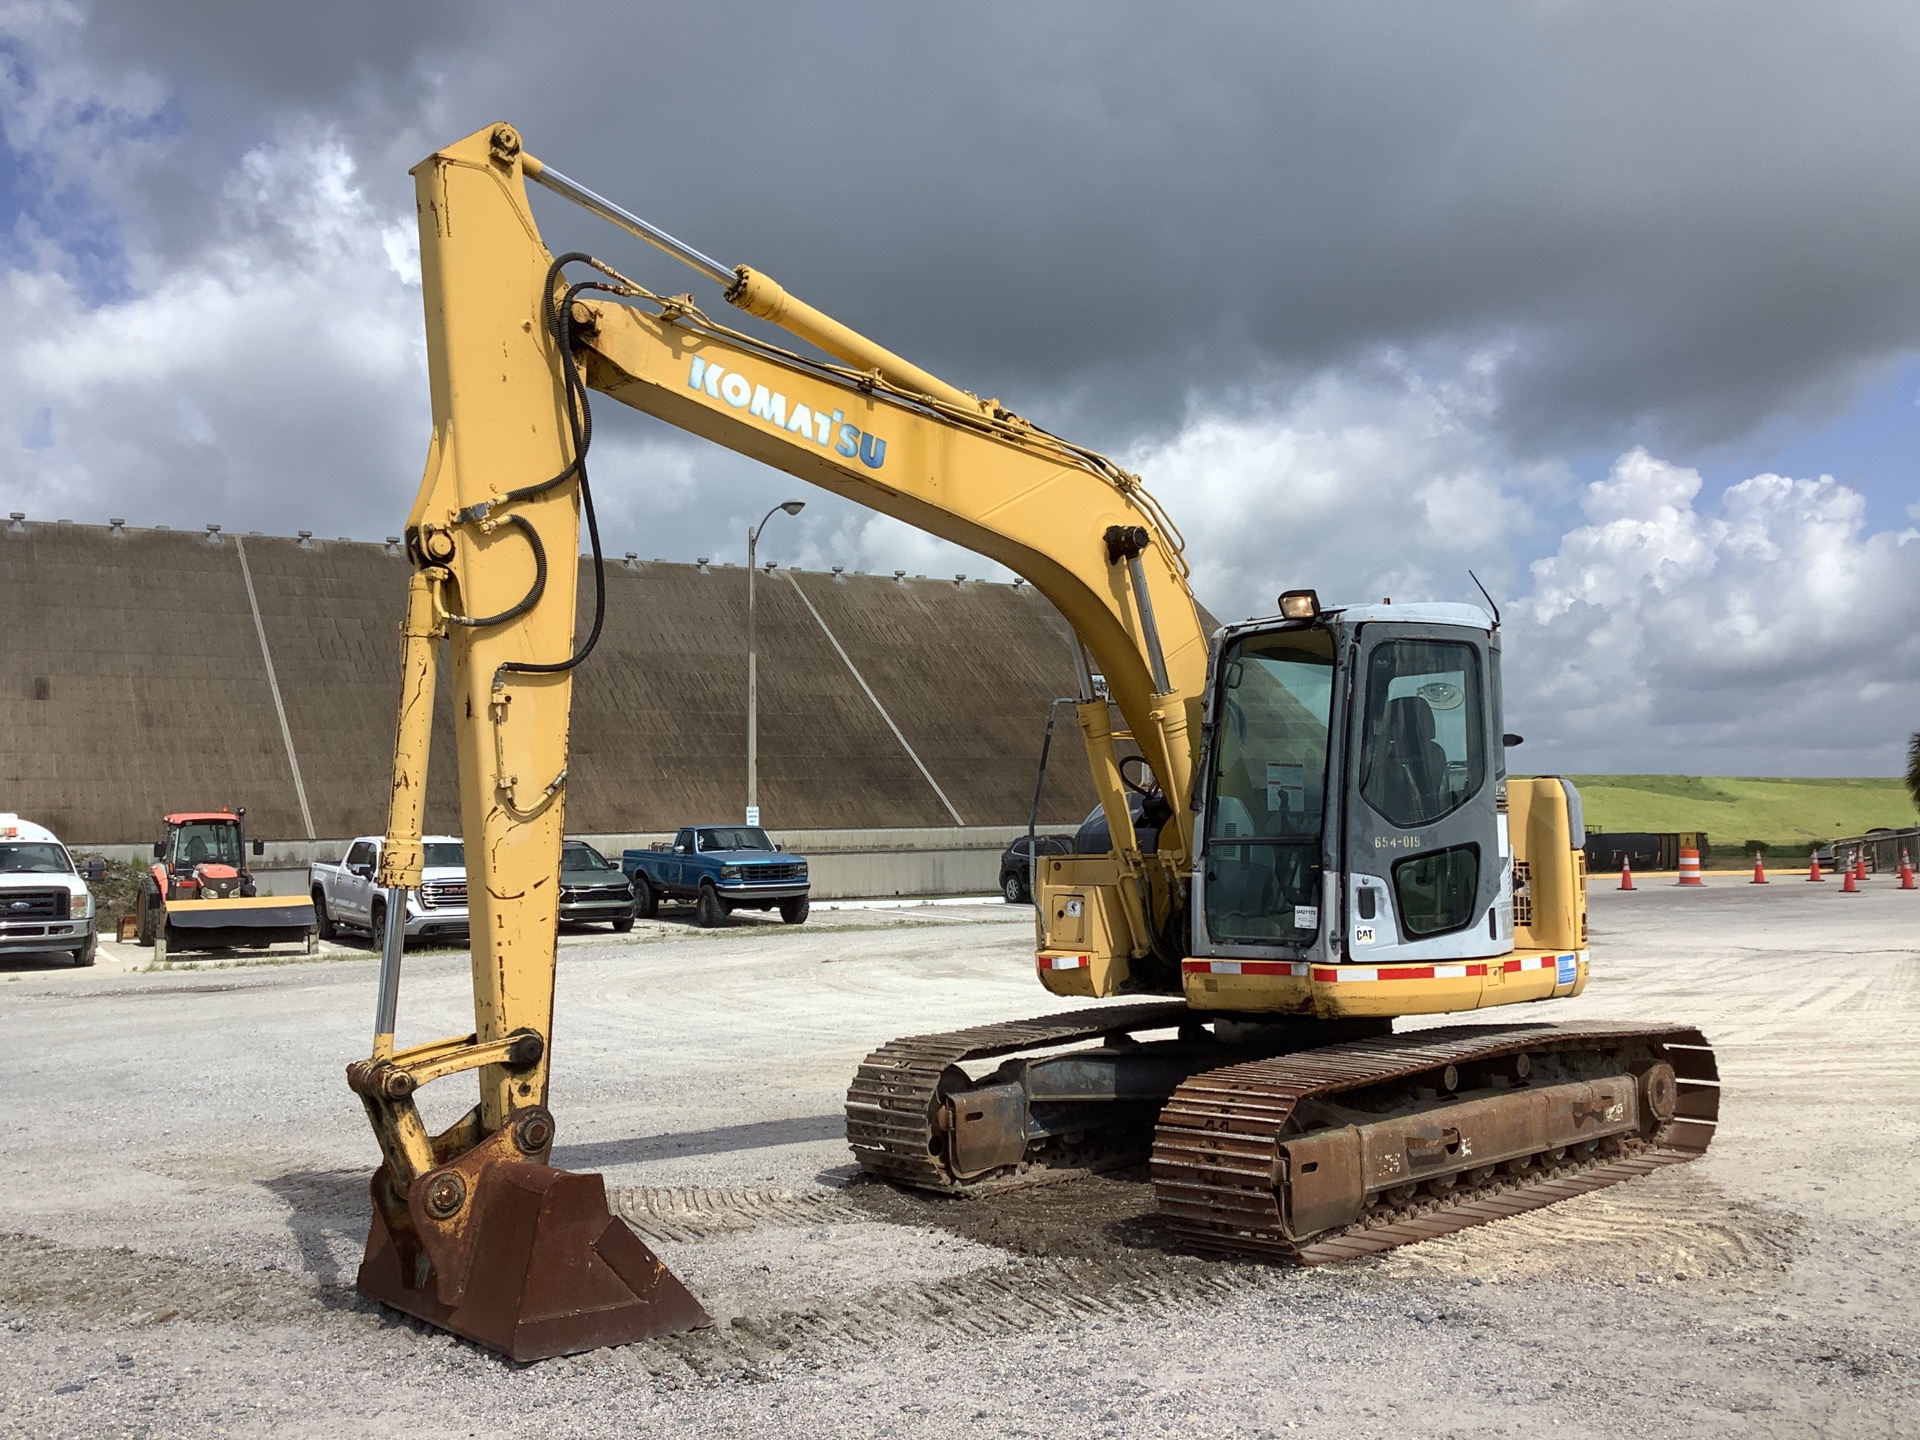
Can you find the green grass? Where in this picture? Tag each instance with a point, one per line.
(1786, 815)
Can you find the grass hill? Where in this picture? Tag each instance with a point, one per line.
(1787, 815)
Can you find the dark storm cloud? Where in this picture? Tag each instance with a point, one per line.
(1676, 218)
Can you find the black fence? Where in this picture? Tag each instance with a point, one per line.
(1646, 849)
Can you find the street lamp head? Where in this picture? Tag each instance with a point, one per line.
(793, 507)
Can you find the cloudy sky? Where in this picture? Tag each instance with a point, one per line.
(1616, 303)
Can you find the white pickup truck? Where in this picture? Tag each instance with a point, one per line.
(44, 901)
(348, 895)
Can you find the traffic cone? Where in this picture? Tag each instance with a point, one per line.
(1860, 865)
(1626, 872)
(1759, 871)
(1906, 871)
(1813, 870)
(1690, 868)
(1848, 886)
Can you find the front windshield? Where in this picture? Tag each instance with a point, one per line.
(208, 842)
(1269, 788)
(733, 837)
(444, 855)
(33, 858)
(578, 855)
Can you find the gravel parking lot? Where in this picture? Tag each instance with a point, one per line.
(184, 1202)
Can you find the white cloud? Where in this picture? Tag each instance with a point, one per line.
(1381, 479)
(273, 378)
(1770, 633)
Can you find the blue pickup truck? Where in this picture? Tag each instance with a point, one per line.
(719, 869)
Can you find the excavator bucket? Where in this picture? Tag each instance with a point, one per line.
(521, 1258)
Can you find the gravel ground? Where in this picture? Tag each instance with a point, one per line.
(185, 1204)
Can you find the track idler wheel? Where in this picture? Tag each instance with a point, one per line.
(518, 1256)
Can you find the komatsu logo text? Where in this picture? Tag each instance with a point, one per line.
(833, 430)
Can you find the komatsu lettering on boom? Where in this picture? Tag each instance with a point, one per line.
(771, 406)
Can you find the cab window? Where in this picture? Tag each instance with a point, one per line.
(1423, 750)
(1268, 787)
(208, 842)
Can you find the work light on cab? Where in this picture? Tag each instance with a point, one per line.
(1300, 604)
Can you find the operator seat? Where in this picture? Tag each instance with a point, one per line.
(1416, 765)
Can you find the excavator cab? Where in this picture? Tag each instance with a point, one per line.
(1354, 800)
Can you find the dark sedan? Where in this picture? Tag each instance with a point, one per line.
(1014, 871)
(593, 891)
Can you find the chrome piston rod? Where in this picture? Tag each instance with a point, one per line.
(391, 946)
(559, 184)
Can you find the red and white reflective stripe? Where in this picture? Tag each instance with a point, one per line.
(1064, 962)
(1296, 968)
(1369, 974)
(1474, 970)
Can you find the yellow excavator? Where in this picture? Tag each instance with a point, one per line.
(1312, 829)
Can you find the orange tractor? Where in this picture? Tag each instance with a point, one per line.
(200, 893)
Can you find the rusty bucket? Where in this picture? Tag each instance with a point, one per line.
(519, 1257)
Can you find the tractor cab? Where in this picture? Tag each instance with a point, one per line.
(203, 856)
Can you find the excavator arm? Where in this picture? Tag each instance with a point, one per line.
(515, 342)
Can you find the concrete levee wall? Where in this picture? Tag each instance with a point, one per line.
(136, 682)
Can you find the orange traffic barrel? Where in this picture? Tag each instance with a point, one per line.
(1690, 868)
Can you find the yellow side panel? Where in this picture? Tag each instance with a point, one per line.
(1549, 899)
(1081, 926)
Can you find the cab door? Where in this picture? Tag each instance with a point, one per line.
(1425, 848)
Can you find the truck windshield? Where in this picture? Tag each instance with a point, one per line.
(23, 858)
(203, 842)
(1269, 788)
(444, 855)
(732, 837)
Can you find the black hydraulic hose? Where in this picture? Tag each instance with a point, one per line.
(579, 410)
(527, 601)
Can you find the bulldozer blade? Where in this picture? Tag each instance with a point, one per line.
(548, 1269)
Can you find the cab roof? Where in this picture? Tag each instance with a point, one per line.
(12, 827)
(185, 817)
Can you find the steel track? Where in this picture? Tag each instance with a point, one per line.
(893, 1103)
(1216, 1157)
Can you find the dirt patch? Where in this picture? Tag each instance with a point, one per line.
(1675, 1225)
(1076, 1217)
(85, 1286)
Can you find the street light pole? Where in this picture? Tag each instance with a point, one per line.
(792, 507)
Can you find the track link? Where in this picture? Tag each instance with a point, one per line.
(1216, 1163)
(894, 1101)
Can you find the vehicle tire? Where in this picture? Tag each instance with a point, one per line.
(1013, 889)
(646, 904)
(148, 921)
(709, 910)
(84, 955)
(377, 918)
(794, 911)
(322, 917)
(623, 925)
